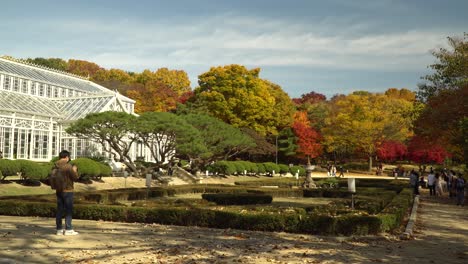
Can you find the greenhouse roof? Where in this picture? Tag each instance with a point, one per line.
(46, 75)
(16, 102)
(79, 107)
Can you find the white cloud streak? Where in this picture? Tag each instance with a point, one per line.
(228, 38)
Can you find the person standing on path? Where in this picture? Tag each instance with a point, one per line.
(333, 171)
(438, 185)
(414, 182)
(431, 183)
(65, 197)
(460, 190)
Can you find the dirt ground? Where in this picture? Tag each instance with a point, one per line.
(441, 236)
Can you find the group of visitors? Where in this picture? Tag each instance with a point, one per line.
(331, 170)
(439, 183)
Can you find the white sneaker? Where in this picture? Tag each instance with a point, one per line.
(60, 232)
(70, 233)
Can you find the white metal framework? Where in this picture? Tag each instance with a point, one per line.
(37, 103)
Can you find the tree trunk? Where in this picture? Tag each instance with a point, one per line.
(370, 162)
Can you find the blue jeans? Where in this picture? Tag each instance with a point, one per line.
(64, 205)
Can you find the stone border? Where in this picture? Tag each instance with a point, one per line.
(412, 220)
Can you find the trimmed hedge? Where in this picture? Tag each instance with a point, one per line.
(393, 214)
(237, 199)
(297, 222)
(224, 167)
(335, 219)
(113, 196)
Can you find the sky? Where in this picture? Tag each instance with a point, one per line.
(330, 47)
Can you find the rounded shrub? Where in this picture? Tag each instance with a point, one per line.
(261, 168)
(239, 167)
(296, 168)
(87, 168)
(253, 168)
(283, 168)
(224, 167)
(270, 167)
(9, 167)
(33, 170)
(104, 169)
(247, 166)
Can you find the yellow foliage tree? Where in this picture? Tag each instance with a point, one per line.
(239, 97)
(362, 121)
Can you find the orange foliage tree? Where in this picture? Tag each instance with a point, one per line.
(307, 138)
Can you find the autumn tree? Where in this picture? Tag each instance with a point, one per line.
(421, 152)
(445, 93)
(392, 151)
(316, 106)
(440, 121)
(153, 96)
(403, 94)
(239, 97)
(82, 67)
(177, 80)
(310, 98)
(363, 121)
(307, 138)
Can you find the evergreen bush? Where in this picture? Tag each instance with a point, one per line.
(270, 167)
(295, 169)
(239, 167)
(283, 168)
(87, 168)
(33, 170)
(9, 168)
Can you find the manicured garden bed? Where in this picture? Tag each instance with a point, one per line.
(377, 209)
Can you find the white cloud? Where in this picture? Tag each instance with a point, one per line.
(228, 38)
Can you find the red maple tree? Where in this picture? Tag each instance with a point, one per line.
(311, 98)
(391, 151)
(307, 137)
(420, 151)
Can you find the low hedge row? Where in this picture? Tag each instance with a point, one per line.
(393, 214)
(348, 224)
(114, 196)
(237, 199)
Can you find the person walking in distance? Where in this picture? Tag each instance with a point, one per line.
(341, 171)
(65, 174)
(431, 180)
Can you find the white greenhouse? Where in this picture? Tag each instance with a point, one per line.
(37, 103)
